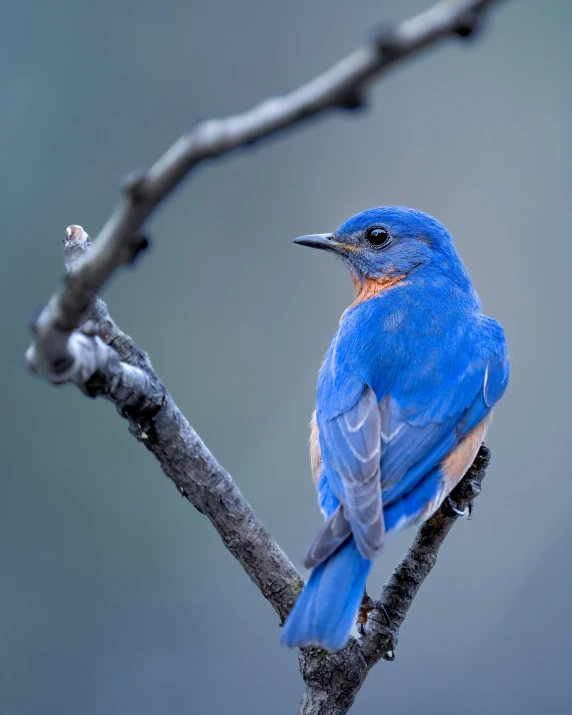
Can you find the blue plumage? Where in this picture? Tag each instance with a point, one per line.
(327, 607)
(403, 402)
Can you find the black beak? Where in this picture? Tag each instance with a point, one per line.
(317, 240)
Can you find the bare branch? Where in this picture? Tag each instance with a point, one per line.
(76, 341)
(120, 240)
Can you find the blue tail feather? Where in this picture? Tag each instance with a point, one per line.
(328, 606)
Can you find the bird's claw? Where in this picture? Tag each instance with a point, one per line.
(368, 605)
(468, 512)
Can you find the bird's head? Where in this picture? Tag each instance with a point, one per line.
(389, 242)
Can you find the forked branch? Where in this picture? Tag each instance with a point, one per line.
(76, 341)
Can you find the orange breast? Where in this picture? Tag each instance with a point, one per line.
(457, 462)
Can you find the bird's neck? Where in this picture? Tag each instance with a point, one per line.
(367, 287)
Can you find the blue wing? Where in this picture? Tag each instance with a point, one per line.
(384, 450)
(354, 478)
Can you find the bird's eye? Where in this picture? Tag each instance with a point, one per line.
(378, 236)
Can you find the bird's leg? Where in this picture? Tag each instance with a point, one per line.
(367, 605)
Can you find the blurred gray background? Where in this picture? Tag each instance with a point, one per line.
(116, 596)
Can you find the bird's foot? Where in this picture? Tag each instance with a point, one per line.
(367, 606)
(468, 512)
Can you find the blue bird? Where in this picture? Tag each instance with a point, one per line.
(404, 399)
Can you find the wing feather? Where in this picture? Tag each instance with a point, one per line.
(377, 452)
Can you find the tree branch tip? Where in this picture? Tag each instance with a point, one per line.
(75, 234)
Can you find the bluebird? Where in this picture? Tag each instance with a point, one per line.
(404, 399)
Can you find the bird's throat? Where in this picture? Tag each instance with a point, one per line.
(367, 287)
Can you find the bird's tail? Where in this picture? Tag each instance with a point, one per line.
(328, 606)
